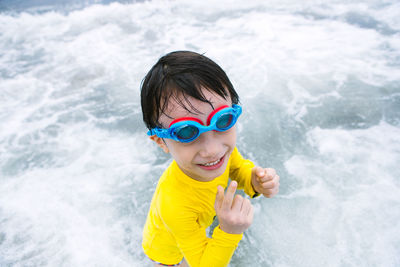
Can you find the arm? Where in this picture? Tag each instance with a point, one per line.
(235, 215)
(254, 180)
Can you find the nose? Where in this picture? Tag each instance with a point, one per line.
(210, 145)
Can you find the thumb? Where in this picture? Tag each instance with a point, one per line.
(220, 197)
(258, 172)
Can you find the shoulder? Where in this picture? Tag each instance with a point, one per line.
(235, 157)
(235, 153)
(171, 204)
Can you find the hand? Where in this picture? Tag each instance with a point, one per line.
(265, 181)
(235, 213)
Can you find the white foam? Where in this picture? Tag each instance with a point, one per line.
(77, 176)
(72, 215)
(348, 197)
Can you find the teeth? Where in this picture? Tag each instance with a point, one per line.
(212, 163)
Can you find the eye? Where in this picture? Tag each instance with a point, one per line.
(187, 132)
(225, 121)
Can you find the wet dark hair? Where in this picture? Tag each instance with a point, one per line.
(178, 75)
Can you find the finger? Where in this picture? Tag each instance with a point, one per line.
(260, 172)
(270, 184)
(270, 172)
(251, 214)
(246, 205)
(268, 193)
(230, 193)
(271, 192)
(219, 198)
(237, 203)
(269, 175)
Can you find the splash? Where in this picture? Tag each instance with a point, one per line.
(320, 88)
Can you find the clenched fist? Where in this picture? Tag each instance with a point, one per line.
(265, 181)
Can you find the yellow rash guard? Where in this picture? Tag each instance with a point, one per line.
(181, 210)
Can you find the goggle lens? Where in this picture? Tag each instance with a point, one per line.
(186, 132)
(224, 122)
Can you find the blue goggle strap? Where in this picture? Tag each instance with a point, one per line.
(162, 133)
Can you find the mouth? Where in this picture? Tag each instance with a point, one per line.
(212, 165)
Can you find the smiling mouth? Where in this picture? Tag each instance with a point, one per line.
(211, 163)
(209, 166)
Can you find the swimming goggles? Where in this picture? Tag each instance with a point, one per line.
(187, 129)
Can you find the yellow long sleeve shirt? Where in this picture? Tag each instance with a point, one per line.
(181, 210)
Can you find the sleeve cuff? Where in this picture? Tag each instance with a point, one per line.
(248, 189)
(226, 239)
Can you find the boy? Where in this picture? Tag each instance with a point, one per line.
(190, 108)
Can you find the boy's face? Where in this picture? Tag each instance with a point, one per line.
(206, 157)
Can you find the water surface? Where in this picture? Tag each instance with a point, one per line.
(320, 87)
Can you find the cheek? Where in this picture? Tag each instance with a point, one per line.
(180, 152)
(234, 133)
(230, 136)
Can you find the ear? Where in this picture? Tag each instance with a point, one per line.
(160, 142)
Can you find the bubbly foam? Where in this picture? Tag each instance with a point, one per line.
(319, 84)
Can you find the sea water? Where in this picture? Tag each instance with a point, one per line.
(319, 83)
